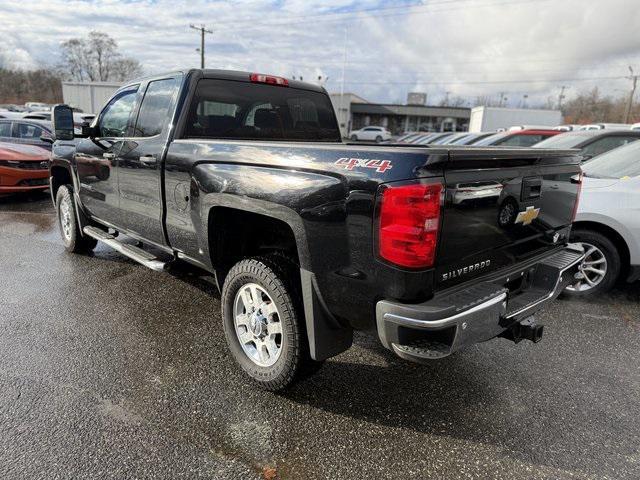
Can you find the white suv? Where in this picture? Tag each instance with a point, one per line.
(373, 134)
(607, 224)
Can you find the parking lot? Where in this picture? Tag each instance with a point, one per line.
(110, 370)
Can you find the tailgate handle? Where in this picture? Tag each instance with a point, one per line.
(531, 188)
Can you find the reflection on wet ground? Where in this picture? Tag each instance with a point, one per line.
(108, 369)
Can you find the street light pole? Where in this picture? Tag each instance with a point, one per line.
(202, 31)
(634, 83)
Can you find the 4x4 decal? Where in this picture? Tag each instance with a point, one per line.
(380, 166)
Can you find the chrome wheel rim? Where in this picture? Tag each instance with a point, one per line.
(591, 271)
(65, 218)
(257, 325)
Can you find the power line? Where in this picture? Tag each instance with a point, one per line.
(482, 82)
(455, 72)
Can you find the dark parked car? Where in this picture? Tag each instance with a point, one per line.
(591, 142)
(26, 132)
(245, 176)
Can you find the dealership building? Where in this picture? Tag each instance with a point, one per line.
(355, 112)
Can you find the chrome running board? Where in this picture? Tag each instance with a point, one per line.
(134, 253)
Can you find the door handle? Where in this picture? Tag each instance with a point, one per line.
(108, 155)
(148, 160)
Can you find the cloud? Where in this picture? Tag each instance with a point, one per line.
(469, 48)
(15, 55)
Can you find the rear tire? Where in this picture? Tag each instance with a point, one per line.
(378, 139)
(73, 240)
(263, 323)
(601, 267)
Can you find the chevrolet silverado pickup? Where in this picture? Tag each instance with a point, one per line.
(245, 176)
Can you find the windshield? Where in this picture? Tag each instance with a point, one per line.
(619, 163)
(564, 140)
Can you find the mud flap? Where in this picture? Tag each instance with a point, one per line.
(327, 338)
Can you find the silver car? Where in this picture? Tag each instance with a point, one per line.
(607, 222)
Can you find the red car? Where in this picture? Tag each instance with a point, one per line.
(525, 137)
(23, 168)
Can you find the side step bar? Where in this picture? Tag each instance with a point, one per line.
(131, 251)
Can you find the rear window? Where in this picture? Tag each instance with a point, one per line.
(227, 109)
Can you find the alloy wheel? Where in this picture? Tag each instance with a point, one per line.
(591, 271)
(257, 325)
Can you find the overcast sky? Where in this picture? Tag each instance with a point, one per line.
(466, 47)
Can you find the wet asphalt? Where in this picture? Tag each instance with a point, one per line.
(110, 370)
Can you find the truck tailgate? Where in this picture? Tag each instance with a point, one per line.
(503, 207)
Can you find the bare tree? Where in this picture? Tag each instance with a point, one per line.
(124, 69)
(96, 58)
(592, 106)
(457, 101)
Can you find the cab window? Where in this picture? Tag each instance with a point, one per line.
(154, 111)
(115, 117)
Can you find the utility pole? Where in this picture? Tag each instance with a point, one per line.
(342, 119)
(561, 96)
(634, 83)
(202, 31)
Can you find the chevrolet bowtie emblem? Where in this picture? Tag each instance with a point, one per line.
(528, 216)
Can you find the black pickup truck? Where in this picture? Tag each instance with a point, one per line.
(245, 176)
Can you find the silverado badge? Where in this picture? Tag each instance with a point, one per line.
(528, 216)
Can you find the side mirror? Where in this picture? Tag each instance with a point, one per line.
(63, 122)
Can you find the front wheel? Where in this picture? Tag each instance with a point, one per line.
(73, 240)
(354, 138)
(262, 324)
(600, 268)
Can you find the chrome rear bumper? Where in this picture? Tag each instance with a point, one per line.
(447, 323)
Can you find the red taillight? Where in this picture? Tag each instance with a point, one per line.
(270, 79)
(576, 179)
(409, 222)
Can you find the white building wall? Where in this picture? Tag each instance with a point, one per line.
(88, 96)
(488, 119)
